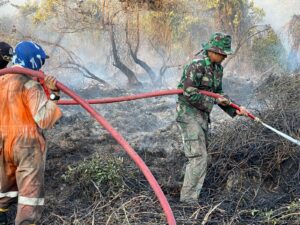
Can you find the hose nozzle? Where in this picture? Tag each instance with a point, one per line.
(256, 119)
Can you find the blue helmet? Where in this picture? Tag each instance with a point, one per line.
(30, 55)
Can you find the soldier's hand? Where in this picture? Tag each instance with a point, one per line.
(50, 82)
(242, 112)
(223, 101)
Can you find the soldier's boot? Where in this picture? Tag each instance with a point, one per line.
(3, 216)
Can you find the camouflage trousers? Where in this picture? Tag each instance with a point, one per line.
(193, 127)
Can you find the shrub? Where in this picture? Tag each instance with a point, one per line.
(105, 172)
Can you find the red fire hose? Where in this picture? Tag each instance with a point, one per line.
(130, 151)
(147, 95)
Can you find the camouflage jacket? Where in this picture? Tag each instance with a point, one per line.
(201, 74)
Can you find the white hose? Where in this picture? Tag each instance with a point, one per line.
(297, 142)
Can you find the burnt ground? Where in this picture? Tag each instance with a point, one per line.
(253, 175)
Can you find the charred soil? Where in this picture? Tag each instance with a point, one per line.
(253, 174)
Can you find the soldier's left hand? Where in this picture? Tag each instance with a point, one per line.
(50, 82)
(223, 101)
(242, 112)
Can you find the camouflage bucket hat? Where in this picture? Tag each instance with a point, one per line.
(219, 43)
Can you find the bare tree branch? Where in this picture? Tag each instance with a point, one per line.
(85, 72)
(245, 39)
(72, 62)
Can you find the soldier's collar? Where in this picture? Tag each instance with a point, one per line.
(207, 61)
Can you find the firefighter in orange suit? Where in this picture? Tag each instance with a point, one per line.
(25, 111)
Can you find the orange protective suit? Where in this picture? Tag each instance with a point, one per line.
(25, 111)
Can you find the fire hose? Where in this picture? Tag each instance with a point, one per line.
(139, 162)
(129, 150)
(172, 92)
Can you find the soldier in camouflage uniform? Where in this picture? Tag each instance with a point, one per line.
(193, 110)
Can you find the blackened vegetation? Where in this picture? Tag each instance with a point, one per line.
(253, 174)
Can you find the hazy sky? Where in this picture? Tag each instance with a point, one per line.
(7, 9)
(279, 12)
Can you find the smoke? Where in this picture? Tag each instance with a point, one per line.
(278, 15)
(278, 12)
(7, 9)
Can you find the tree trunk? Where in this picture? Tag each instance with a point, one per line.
(134, 52)
(132, 80)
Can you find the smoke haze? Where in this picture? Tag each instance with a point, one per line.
(278, 12)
